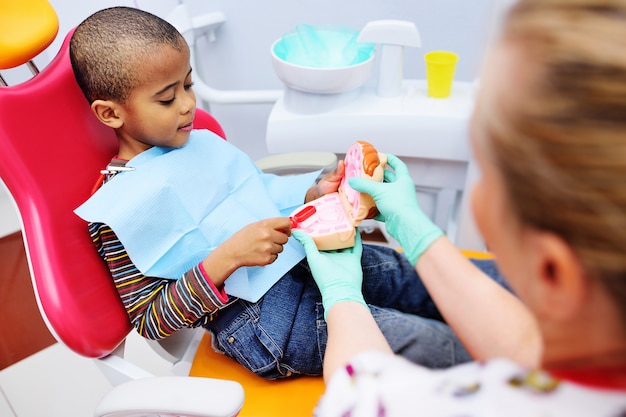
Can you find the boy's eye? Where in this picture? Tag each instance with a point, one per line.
(187, 87)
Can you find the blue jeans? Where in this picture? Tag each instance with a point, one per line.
(284, 334)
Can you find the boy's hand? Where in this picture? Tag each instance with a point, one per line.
(329, 184)
(259, 243)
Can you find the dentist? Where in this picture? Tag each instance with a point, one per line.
(549, 135)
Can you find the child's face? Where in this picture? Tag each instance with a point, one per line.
(159, 111)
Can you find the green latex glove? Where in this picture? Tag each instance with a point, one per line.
(398, 207)
(338, 274)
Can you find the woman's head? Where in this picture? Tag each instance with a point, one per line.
(553, 125)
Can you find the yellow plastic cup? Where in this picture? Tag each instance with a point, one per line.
(440, 67)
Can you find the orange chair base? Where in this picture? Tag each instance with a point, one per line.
(295, 397)
(476, 254)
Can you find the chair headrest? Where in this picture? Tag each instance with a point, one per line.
(26, 29)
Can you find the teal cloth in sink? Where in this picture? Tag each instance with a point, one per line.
(179, 204)
(323, 47)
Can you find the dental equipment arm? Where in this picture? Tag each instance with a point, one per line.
(206, 25)
(392, 36)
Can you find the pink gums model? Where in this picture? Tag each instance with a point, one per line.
(332, 219)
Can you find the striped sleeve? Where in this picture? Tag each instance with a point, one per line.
(157, 307)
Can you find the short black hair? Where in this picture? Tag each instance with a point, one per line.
(108, 45)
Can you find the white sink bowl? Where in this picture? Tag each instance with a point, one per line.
(321, 80)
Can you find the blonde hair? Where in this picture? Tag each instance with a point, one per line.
(562, 149)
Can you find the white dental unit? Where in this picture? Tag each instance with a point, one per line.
(324, 112)
(376, 102)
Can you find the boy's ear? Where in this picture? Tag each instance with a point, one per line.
(108, 112)
(563, 285)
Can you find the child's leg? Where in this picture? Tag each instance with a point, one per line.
(427, 342)
(285, 333)
(389, 280)
(276, 337)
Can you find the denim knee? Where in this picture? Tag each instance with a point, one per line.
(427, 342)
(243, 340)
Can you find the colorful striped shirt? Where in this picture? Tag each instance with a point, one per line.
(158, 307)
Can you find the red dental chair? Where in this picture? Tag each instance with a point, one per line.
(51, 149)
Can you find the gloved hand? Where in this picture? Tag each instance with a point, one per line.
(398, 207)
(338, 274)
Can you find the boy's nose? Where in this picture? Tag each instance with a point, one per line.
(189, 102)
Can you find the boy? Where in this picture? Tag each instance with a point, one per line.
(134, 70)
